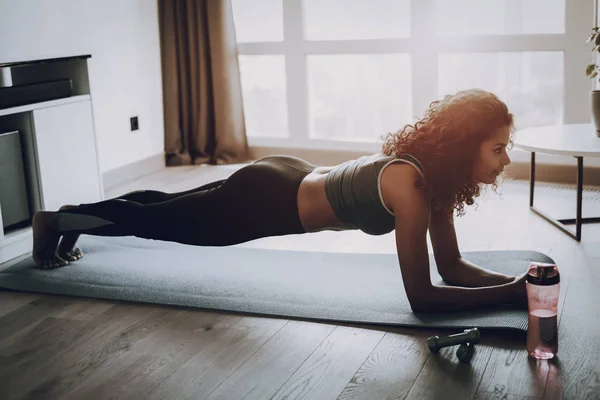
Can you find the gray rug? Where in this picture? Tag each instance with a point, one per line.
(336, 287)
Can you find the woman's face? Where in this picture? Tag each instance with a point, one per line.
(492, 157)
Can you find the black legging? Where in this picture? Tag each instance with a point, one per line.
(258, 200)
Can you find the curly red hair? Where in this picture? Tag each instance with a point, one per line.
(447, 141)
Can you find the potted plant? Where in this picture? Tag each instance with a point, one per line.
(592, 72)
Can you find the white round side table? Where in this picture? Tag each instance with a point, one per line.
(574, 140)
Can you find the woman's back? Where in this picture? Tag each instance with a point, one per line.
(350, 195)
(313, 207)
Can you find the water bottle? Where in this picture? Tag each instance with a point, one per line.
(543, 287)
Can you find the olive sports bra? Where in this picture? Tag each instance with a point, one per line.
(353, 190)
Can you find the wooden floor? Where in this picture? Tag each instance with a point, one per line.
(54, 347)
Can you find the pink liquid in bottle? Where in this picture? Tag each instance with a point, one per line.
(543, 288)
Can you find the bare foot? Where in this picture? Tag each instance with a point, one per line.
(66, 248)
(45, 240)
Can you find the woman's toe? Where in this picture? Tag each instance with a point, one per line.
(56, 262)
(77, 253)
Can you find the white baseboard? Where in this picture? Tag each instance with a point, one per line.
(132, 171)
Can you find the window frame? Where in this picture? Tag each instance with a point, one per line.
(423, 46)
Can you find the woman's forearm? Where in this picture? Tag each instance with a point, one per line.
(451, 298)
(465, 273)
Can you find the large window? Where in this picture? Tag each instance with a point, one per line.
(531, 82)
(353, 96)
(343, 73)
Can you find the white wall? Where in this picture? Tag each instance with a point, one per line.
(125, 73)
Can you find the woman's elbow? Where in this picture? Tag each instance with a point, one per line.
(422, 307)
(421, 302)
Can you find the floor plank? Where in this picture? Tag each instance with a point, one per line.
(511, 372)
(112, 334)
(263, 374)
(575, 374)
(32, 312)
(21, 353)
(326, 373)
(11, 301)
(85, 309)
(216, 361)
(391, 369)
(444, 377)
(138, 375)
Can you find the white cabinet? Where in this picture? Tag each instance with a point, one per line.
(66, 151)
(57, 139)
(59, 149)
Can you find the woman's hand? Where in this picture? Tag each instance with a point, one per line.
(520, 290)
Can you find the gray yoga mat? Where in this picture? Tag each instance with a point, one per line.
(342, 287)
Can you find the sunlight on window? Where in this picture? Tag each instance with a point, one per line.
(358, 97)
(499, 17)
(264, 95)
(258, 20)
(531, 83)
(356, 19)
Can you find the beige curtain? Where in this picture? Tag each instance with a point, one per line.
(202, 95)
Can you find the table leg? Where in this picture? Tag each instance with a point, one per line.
(579, 197)
(562, 223)
(531, 178)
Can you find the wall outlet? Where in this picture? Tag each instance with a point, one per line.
(133, 122)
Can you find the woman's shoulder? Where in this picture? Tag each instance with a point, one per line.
(402, 183)
(402, 176)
